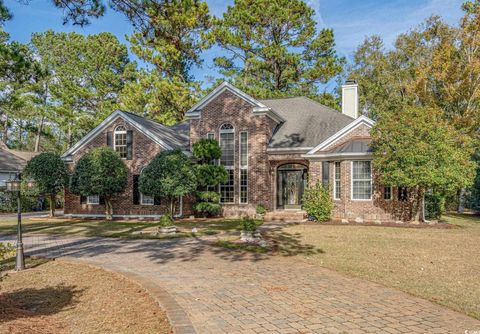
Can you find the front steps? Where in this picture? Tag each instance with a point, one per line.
(285, 215)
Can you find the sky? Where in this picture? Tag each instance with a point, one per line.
(351, 20)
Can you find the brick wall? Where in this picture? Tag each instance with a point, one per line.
(144, 149)
(229, 108)
(369, 210)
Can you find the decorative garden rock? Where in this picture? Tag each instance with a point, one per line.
(168, 229)
(359, 220)
(250, 236)
(344, 221)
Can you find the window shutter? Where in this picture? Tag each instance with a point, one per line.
(156, 200)
(102, 200)
(136, 192)
(325, 173)
(83, 199)
(129, 144)
(109, 139)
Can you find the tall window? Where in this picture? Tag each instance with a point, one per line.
(387, 193)
(227, 144)
(402, 194)
(145, 199)
(210, 135)
(120, 141)
(361, 180)
(337, 190)
(243, 167)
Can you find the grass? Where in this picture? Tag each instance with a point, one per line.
(122, 229)
(60, 297)
(436, 264)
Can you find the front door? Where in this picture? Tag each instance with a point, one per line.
(290, 186)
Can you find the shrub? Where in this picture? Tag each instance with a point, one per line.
(166, 221)
(317, 202)
(207, 209)
(248, 224)
(260, 209)
(434, 205)
(6, 250)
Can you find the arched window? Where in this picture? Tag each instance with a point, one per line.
(227, 144)
(120, 141)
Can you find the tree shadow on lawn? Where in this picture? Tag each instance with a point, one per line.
(31, 302)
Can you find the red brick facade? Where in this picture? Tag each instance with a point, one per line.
(230, 108)
(144, 149)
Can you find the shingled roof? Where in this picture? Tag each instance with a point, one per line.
(170, 135)
(307, 122)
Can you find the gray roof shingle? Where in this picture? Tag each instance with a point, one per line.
(354, 146)
(170, 136)
(10, 162)
(308, 123)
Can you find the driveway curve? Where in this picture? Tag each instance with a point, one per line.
(229, 291)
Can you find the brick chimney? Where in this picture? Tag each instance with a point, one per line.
(350, 98)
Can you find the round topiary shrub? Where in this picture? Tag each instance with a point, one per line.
(316, 201)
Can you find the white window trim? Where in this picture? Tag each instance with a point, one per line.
(351, 183)
(232, 167)
(121, 132)
(245, 167)
(335, 180)
(143, 203)
(89, 202)
(391, 193)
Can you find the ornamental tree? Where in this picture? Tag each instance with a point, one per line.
(417, 148)
(50, 175)
(209, 175)
(169, 175)
(100, 172)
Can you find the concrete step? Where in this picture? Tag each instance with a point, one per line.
(285, 215)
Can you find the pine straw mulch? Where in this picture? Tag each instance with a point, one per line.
(59, 297)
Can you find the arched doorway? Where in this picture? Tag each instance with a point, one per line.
(291, 181)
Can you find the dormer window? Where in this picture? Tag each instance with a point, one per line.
(120, 141)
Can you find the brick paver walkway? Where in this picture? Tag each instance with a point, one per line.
(223, 291)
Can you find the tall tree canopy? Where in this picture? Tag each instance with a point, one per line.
(170, 39)
(274, 48)
(417, 148)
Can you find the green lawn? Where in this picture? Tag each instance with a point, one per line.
(122, 229)
(437, 264)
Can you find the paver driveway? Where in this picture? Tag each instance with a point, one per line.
(224, 291)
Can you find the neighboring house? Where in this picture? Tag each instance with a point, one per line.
(12, 162)
(271, 149)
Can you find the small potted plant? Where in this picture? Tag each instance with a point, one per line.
(249, 231)
(260, 211)
(166, 224)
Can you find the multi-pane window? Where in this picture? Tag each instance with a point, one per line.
(337, 190)
(387, 193)
(210, 135)
(402, 194)
(243, 167)
(361, 180)
(93, 199)
(146, 200)
(227, 190)
(120, 141)
(227, 144)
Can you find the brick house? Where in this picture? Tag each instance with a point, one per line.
(271, 149)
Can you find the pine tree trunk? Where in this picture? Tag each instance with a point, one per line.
(52, 205)
(5, 130)
(461, 201)
(419, 205)
(171, 206)
(39, 134)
